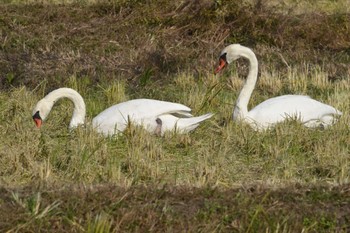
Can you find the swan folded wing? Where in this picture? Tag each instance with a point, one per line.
(324, 121)
(298, 107)
(169, 118)
(179, 114)
(139, 111)
(181, 125)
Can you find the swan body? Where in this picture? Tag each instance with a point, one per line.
(310, 112)
(303, 108)
(173, 116)
(154, 115)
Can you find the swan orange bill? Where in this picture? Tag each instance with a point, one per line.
(222, 64)
(37, 122)
(37, 119)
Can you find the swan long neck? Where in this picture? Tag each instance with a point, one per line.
(241, 107)
(79, 111)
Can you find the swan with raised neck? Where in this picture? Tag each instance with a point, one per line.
(310, 112)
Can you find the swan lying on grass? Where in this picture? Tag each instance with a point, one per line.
(310, 112)
(154, 115)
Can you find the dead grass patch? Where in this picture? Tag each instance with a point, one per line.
(141, 40)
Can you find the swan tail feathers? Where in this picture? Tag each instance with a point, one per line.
(189, 124)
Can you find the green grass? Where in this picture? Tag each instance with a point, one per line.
(106, 208)
(224, 176)
(218, 152)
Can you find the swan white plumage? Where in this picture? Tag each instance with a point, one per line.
(310, 112)
(154, 115)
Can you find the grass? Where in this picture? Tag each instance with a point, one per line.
(227, 154)
(222, 177)
(139, 209)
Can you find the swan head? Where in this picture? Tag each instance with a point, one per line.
(44, 106)
(41, 111)
(228, 55)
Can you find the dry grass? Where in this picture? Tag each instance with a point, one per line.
(220, 152)
(310, 6)
(44, 42)
(115, 51)
(107, 208)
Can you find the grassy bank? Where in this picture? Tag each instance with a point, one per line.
(106, 208)
(153, 40)
(222, 177)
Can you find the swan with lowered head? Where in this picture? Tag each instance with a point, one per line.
(155, 115)
(310, 112)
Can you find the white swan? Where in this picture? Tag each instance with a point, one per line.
(156, 116)
(310, 112)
